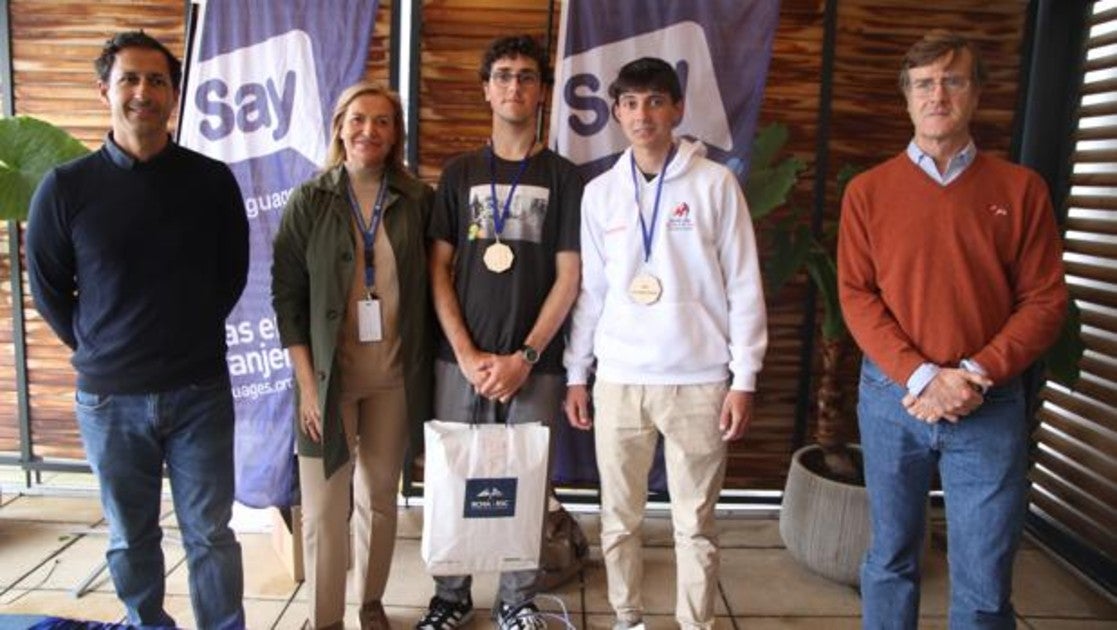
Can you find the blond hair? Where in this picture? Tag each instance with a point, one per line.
(336, 154)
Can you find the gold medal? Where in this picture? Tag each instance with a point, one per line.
(645, 289)
(498, 257)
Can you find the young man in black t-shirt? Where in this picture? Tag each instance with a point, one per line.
(505, 267)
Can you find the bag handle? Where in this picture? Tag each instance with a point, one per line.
(475, 410)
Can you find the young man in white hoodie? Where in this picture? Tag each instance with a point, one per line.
(672, 309)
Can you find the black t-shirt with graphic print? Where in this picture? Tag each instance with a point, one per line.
(500, 308)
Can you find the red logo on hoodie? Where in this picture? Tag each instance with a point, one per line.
(680, 218)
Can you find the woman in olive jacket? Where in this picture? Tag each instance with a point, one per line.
(350, 289)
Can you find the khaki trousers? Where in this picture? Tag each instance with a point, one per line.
(376, 425)
(626, 423)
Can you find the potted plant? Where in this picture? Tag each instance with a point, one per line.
(795, 248)
(28, 149)
(824, 516)
(824, 519)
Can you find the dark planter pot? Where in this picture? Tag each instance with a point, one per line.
(824, 523)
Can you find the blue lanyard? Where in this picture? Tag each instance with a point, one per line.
(499, 216)
(369, 232)
(649, 232)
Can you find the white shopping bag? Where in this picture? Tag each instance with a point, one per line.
(484, 492)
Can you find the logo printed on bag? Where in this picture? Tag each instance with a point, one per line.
(490, 497)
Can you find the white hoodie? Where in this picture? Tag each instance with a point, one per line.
(709, 321)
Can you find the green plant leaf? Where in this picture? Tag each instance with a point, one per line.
(824, 273)
(28, 149)
(767, 188)
(1063, 357)
(769, 140)
(790, 248)
(846, 173)
(769, 183)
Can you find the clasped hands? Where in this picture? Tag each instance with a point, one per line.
(952, 394)
(495, 376)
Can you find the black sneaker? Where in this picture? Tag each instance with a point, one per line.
(525, 617)
(445, 615)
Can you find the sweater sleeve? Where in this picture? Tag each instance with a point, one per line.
(234, 244)
(869, 320)
(748, 320)
(1039, 291)
(578, 356)
(50, 259)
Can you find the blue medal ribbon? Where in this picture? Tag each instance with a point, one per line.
(368, 232)
(500, 216)
(649, 232)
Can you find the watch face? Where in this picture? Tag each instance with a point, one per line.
(530, 354)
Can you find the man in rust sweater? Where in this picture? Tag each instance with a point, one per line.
(951, 281)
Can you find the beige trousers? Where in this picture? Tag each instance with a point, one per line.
(376, 425)
(626, 423)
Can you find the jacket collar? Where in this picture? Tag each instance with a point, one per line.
(335, 181)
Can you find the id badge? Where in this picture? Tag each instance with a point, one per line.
(369, 324)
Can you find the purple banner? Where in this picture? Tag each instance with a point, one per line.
(261, 89)
(720, 49)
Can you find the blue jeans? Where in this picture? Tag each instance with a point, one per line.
(982, 461)
(128, 438)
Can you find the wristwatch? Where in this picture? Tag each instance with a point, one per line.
(531, 355)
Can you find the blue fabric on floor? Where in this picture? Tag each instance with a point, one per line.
(20, 622)
(43, 622)
(58, 623)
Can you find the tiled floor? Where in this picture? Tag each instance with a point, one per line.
(51, 538)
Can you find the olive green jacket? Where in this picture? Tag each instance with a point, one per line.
(312, 272)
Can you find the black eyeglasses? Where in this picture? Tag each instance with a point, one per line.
(504, 78)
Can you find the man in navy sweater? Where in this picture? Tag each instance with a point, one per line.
(136, 255)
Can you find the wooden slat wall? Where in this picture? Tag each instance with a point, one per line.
(54, 41)
(9, 410)
(454, 116)
(53, 47)
(870, 121)
(760, 460)
(1075, 473)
